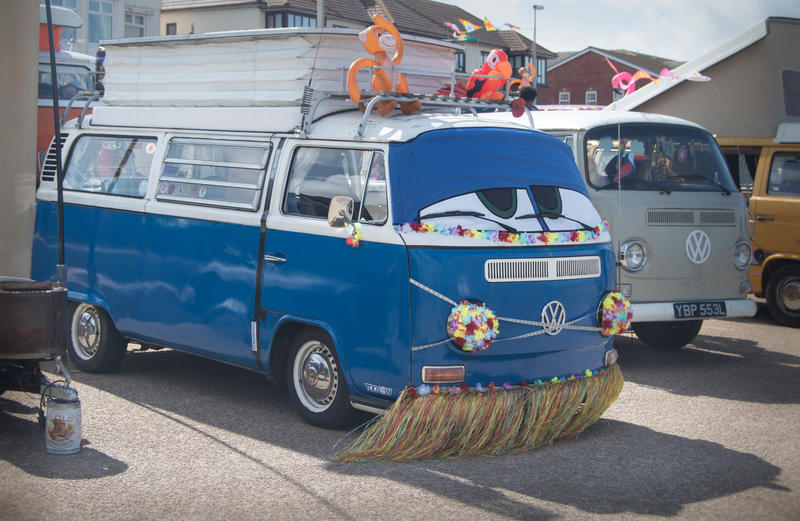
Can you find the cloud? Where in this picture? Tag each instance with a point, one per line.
(678, 29)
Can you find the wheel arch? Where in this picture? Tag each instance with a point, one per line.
(93, 299)
(287, 328)
(773, 263)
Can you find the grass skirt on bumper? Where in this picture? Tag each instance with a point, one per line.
(458, 425)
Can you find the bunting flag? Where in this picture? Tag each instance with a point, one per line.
(488, 25)
(453, 27)
(512, 26)
(468, 27)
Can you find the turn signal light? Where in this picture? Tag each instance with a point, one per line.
(443, 374)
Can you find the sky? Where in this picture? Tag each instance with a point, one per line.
(674, 29)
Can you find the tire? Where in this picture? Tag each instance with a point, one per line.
(316, 383)
(783, 295)
(667, 335)
(95, 345)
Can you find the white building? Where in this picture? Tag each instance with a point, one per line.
(107, 19)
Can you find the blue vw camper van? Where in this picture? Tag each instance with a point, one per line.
(340, 252)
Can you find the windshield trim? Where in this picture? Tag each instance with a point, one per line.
(666, 186)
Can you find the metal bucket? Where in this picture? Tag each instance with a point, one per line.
(62, 433)
(33, 324)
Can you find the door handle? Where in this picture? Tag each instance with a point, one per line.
(764, 218)
(273, 258)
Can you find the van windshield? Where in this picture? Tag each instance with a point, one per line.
(655, 157)
(70, 79)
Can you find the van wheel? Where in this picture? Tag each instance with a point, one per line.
(95, 344)
(667, 335)
(783, 295)
(316, 382)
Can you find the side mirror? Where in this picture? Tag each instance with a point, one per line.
(340, 211)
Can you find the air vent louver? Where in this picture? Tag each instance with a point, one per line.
(49, 166)
(529, 270)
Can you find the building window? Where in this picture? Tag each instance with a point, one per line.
(172, 28)
(791, 92)
(591, 97)
(277, 20)
(134, 25)
(541, 71)
(518, 61)
(461, 64)
(563, 98)
(100, 17)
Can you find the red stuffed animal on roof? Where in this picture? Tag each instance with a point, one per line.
(497, 67)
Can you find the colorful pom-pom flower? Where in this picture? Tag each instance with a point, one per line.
(472, 326)
(615, 314)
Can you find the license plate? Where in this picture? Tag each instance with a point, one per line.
(714, 308)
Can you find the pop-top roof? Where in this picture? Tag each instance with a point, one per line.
(251, 68)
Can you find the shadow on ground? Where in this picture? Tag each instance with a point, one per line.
(22, 444)
(717, 366)
(614, 467)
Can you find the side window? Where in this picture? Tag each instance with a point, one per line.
(117, 165)
(319, 174)
(228, 174)
(784, 175)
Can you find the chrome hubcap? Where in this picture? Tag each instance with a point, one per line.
(790, 295)
(315, 376)
(86, 331)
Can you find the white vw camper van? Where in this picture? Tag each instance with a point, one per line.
(678, 223)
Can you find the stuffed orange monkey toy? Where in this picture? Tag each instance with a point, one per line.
(383, 41)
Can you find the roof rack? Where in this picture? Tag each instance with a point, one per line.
(89, 96)
(456, 103)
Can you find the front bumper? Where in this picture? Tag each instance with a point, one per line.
(664, 311)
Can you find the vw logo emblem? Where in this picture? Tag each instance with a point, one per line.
(698, 246)
(553, 317)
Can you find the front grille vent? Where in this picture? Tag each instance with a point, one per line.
(670, 217)
(660, 217)
(49, 167)
(718, 218)
(530, 270)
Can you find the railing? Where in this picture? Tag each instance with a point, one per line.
(90, 96)
(451, 101)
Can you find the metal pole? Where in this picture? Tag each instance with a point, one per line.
(320, 13)
(535, 63)
(60, 267)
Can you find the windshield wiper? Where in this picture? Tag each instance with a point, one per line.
(554, 215)
(461, 213)
(637, 185)
(718, 185)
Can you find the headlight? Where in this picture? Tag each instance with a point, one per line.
(633, 255)
(741, 255)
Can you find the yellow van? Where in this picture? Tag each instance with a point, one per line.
(774, 217)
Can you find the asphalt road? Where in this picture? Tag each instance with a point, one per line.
(710, 431)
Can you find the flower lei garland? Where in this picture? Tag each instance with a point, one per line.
(472, 326)
(616, 314)
(500, 236)
(354, 235)
(425, 389)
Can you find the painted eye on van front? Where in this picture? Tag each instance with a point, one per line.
(563, 209)
(491, 209)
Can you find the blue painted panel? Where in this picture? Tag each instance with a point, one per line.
(103, 252)
(458, 274)
(442, 164)
(198, 287)
(361, 294)
(184, 283)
